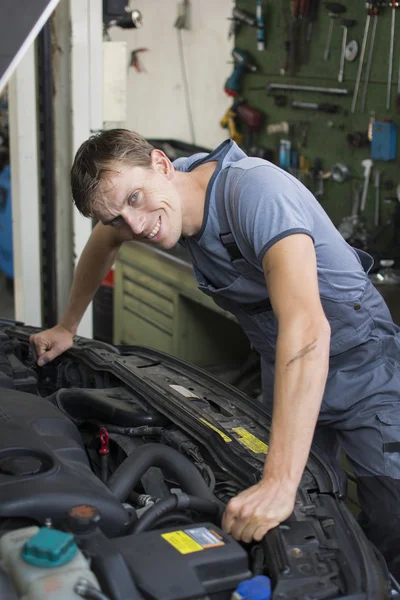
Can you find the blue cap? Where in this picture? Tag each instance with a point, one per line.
(49, 548)
(258, 588)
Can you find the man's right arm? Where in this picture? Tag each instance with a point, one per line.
(96, 260)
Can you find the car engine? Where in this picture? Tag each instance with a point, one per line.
(115, 467)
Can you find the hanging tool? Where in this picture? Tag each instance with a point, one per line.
(352, 227)
(367, 165)
(134, 59)
(370, 5)
(317, 178)
(242, 63)
(251, 119)
(305, 88)
(312, 17)
(260, 26)
(391, 47)
(351, 51)
(346, 24)
(304, 25)
(377, 183)
(340, 173)
(294, 46)
(335, 9)
(229, 121)
(327, 108)
(374, 11)
(398, 93)
(241, 17)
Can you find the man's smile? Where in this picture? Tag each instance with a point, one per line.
(156, 229)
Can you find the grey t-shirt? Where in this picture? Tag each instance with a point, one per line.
(264, 204)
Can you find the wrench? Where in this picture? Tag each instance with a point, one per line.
(377, 183)
(367, 164)
(345, 24)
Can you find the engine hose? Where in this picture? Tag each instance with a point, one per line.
(173, 503)
(127, 476)
(173, 518)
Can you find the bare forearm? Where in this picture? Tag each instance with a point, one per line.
(96, 260)
(300, 376)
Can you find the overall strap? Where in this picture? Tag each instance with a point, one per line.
(227, 238)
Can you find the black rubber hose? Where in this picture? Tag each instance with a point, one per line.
(174, 518)
(127, 476)
(173, 503)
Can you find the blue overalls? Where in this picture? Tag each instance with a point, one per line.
(360, 410)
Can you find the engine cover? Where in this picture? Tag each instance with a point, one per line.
(44, 469)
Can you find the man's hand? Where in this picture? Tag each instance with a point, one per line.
(258, 509)
(48, 344)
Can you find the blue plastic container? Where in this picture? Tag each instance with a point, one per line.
(6, 240)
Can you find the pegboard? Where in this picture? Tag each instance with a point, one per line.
(327, 133)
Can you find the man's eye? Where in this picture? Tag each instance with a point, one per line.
(116, 223)
(133, 197)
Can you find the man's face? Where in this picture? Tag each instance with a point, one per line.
(142, 204)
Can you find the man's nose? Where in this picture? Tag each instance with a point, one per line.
(135, 221)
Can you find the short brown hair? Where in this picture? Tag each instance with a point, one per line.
(98, 156)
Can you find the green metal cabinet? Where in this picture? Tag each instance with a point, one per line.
(157, 304)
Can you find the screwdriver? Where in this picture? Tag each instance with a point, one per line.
(335, 9)
(346, 24)
(389, 83)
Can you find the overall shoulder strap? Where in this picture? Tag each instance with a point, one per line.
(228, 239)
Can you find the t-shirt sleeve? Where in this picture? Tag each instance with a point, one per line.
(267, 205)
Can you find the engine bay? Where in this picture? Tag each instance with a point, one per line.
(115, 467)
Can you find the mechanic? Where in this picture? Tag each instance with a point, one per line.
(264, 249)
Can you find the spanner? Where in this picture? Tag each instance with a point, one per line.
(367, 164)
(377, 183)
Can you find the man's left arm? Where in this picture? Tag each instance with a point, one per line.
(301, 369)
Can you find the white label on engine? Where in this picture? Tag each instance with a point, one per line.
(207, 538)
(184, 391)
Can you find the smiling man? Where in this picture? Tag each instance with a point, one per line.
(263, 248)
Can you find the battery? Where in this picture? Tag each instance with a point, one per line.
(184, 563)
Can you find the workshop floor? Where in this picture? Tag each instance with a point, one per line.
(6, 299)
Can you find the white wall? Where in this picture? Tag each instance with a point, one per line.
(156, 100)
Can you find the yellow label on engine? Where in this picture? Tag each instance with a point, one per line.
(250, 441)
(182, 542)
(221, 433)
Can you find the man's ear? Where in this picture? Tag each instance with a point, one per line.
(160, 162)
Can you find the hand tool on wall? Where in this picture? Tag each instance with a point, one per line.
(312, 17)
(327, 108)
(228, 121)
(260, 26)
(377, 183)
(352, 227)
(134, 59)
(242, 63)
(374, 11)
(271, 87)
(391, 48)
(367, 165)
(361, 63)
(346, 24)
(398, 93)
(335, 9)
(294, 45)
(252, 120)
(351, 51)
(317, 172)
(241, 17)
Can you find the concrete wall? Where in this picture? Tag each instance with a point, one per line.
(156, 97)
